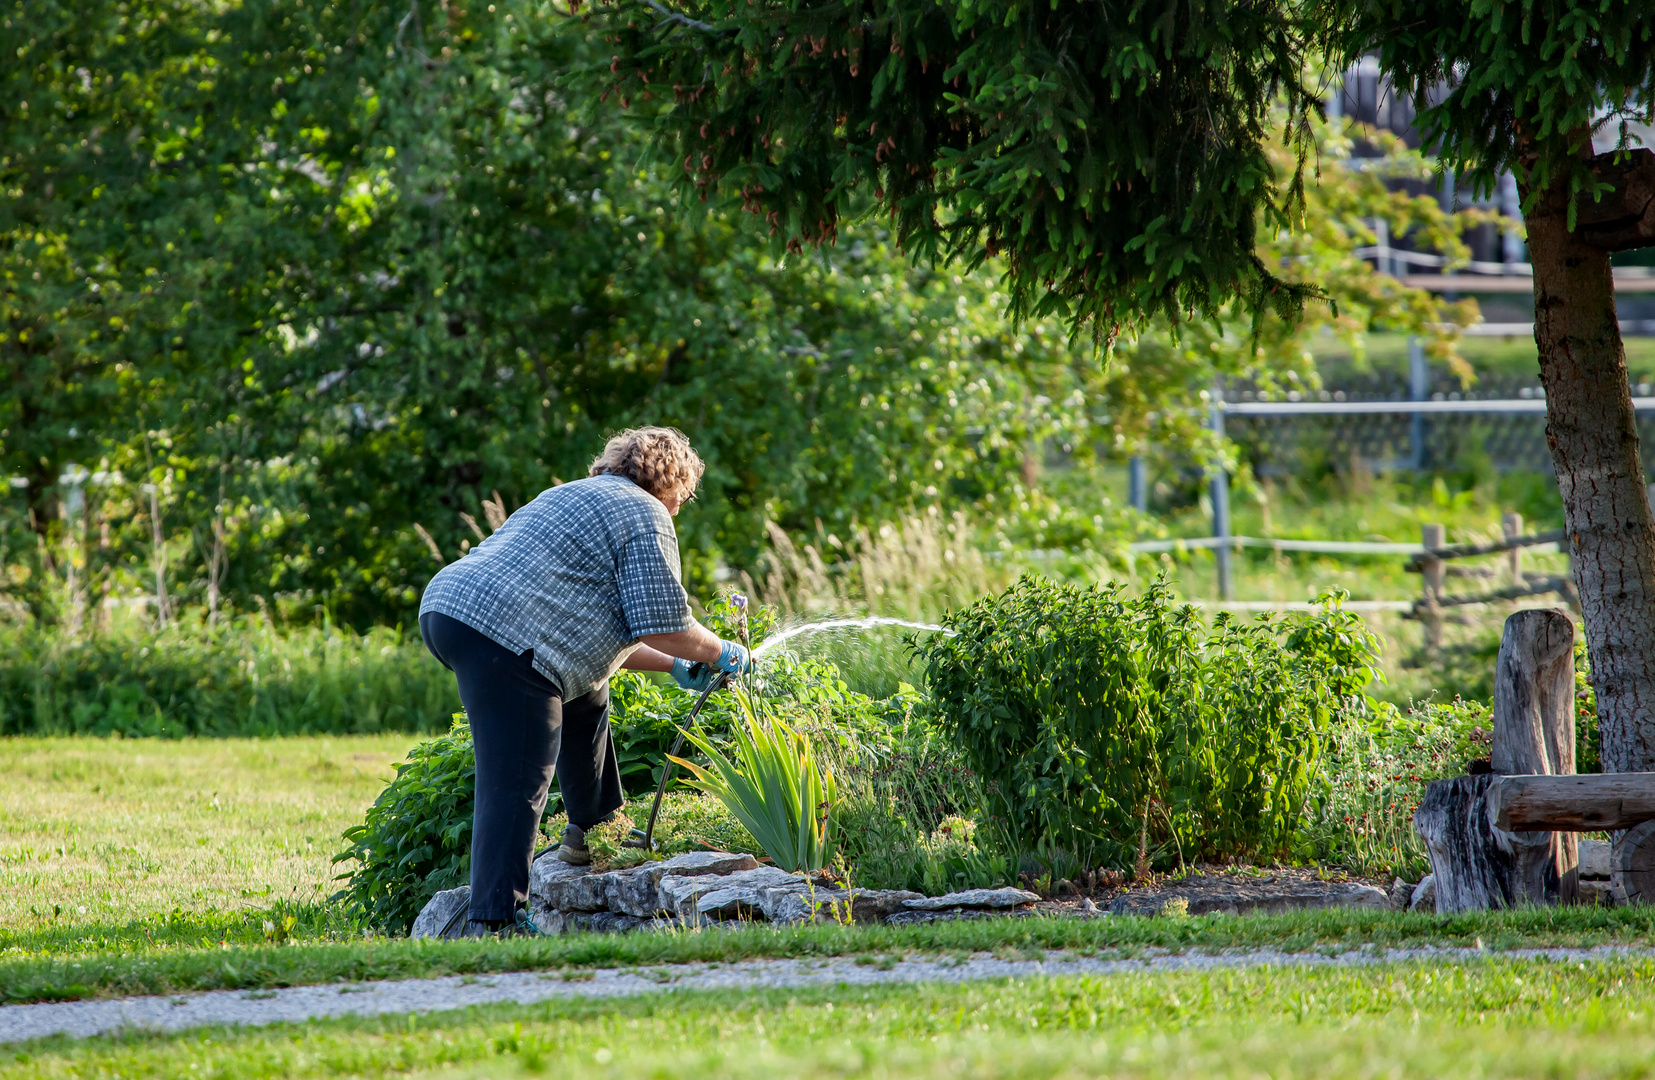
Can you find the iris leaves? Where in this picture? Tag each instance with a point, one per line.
(774, 783)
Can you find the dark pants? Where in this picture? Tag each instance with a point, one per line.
(522, 729)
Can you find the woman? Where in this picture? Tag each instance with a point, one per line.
(580, 582)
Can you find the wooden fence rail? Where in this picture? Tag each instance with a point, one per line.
(1432, 565)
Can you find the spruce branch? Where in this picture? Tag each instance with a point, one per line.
(682, 20)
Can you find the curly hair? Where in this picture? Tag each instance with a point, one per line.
(658, 459)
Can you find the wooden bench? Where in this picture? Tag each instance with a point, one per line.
(1506, 837)
(1588, 802)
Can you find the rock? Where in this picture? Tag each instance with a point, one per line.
(600, 922)
(874, 905)
(789, 905)
(681, 894)
(561, 887)
(1595, 893)
(1223, 894)
(912, 917)
(656, 926)
(1425, 895)
(443, 911)
(634, 892)
(609, 922)
(1400, 894)
(1594, 859)
(729, 903)
(637, 892)
(699, 863)
(974, 898)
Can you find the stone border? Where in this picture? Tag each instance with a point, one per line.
(710, 888)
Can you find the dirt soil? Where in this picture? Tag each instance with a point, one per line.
(1234, 890)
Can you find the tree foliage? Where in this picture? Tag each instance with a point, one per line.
(1111, 153)
(1518, 86)
(293, 280)
(321, 273)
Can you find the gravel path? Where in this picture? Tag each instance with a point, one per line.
(257, 1007)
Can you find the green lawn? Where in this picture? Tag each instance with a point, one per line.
(181, 891)
(1492, 1018)
(309, 958)
(1497, 355)
(121, 838)
(185, 895)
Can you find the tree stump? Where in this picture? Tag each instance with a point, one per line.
(1632, 865)
(1477, 864)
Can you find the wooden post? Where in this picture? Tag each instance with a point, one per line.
(1477, 864)
(1511, 525)
(1431, 573)
(1534, 734)
(1221, 503)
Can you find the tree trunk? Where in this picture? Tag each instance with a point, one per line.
(1594, 444)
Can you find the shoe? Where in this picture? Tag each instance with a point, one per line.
(573, 849)
(520, 926)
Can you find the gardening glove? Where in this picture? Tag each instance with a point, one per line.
(735, 659)
(696, 676)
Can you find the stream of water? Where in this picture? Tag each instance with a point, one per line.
(775, 640)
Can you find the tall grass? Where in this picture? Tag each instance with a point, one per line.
(245, 678)
(917, 567)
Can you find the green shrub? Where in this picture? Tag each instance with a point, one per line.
(244, 678)
(1107, 729)
(416, 839)
(903, 820)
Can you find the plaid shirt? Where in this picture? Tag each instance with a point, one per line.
(578, 575)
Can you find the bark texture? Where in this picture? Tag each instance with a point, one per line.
(1477, 866)
(1478, 863)
(1534, 733)
(1594, 445)
(1534, 695)
(1632, 865)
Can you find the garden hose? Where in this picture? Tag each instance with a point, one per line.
(460, 913)
(646, 838)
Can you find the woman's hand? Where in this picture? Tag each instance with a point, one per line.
(734, 658)
(693, 676)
